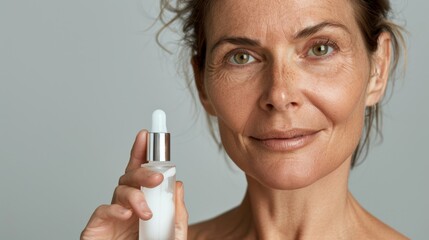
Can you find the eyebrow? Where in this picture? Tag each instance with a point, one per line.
(304, 33)
(311, 30)
(236, 41)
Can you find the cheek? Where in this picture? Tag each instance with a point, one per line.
(338, 90)
(338, 103)
(340, 99)
(233, 95)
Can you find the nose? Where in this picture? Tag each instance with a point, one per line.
(280, 89)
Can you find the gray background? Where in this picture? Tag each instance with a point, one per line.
(79, 78)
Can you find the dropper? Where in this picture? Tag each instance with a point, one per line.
(159, 121)
(158, 142)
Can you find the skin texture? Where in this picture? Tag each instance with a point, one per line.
(267, 87)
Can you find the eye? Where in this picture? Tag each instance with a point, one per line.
(320, 50)
(241, 58)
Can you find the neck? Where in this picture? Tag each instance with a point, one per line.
(325, 209)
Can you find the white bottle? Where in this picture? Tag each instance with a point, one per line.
(161, 199)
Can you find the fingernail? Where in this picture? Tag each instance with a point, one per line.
(145, 209)
(153, 174)
(147, 214)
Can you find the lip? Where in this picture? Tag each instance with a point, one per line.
(285, 140)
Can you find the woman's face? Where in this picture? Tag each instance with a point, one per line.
(288, 82)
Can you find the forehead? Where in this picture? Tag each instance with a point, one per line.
(274, 18)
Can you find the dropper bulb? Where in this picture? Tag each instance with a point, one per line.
(159, 121)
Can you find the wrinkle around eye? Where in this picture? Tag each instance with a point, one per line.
(215, 73)
(218, 73)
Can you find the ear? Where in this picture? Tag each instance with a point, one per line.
(199, 82)
(379, 70)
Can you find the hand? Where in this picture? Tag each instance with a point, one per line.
(120, 220)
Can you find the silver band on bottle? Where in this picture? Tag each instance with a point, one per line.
(158, 146)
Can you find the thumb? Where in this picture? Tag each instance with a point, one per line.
(181, 222)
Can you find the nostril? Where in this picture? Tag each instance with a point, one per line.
(280, 98)
(294, 104)
(270, 106)
(283, 107)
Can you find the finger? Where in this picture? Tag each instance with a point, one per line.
(106, 213)
(133, 198)
(138, 151)
(181, 224)
(141, 177)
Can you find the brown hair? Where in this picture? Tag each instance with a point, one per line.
(372, 16)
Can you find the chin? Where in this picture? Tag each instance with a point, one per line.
(287, 175)
(288, 182)
(284, 174)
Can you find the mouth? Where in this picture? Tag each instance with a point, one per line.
(285, 140)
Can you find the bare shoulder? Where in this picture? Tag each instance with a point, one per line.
(376, 229)
(384, 231)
